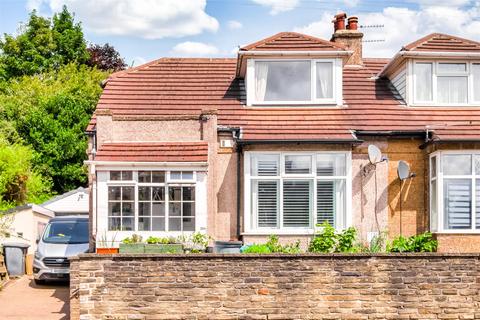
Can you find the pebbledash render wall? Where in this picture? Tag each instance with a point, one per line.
(335, 286)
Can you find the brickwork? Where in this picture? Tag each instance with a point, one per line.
(408, 286)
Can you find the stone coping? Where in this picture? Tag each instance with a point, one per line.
(208, 256)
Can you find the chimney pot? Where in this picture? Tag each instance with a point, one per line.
(350, 37)
(352, 23)
(339, 21)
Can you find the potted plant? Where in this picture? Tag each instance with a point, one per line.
(196, 242)
(132, 244)
(105, 246)
(163, 245)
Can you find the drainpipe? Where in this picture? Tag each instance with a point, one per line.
(239, 185)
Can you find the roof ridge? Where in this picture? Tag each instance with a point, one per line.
(285, 33)
(417, 43)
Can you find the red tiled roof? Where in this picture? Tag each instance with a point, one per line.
(153, 151)
(188, 86)
(443, 42)
(293, 41)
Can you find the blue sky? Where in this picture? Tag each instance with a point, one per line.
(143, 30)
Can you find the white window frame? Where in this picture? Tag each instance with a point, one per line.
(250, 218)
(411, 77)
(337, 84)
(440, 228)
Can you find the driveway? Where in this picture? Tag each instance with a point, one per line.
(22, 299)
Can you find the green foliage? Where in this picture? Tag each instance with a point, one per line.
(418, 243)
(135, 238)
(43, 44)
(327, 240)
(273, 246)
(50, 113)
(19, 182)
(157, 240)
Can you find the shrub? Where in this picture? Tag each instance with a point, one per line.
(135, 238)
(418, 243)
(257, 248)
(273, 246)
(327, 240)
(156, 240)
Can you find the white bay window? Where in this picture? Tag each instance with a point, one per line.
(455, 192)
(293, 192)
(286, 81)
(446, 83)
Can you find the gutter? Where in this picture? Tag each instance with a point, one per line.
(324, 141)
(404, 134)
(432, 141)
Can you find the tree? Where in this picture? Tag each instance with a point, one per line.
(50, 113)
(105, 58)
(43, 45)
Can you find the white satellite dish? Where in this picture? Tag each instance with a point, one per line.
(403, 170)
(374, 154)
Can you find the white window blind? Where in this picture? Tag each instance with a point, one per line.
(457, 199)
(296, 203)
(267, 203)
(266, 165)
(423, 81)
(326, 202)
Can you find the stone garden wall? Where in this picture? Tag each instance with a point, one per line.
(211, 286)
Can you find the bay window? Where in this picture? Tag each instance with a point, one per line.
(286, 81)
(291, 192)
(455, 191)
(151, 201)
(446, 83)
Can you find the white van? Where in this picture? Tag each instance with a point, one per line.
(62, 238)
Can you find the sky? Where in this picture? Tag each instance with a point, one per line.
(144, 30)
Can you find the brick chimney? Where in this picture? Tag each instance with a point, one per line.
(349, 36)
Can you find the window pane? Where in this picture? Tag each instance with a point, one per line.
(433, 167)
(457, 198)
(266, 203)
(423, 81)
(127, 208)
(143, 193)
(433, 206)
(127, 175)
(296, 203)
(189, 224)
(175, 209)
(174, 224)
(476, 81)
(158, 224)
(331, 165)
(176, 175)
(298, 164)
(452, 89)
(114, 224)
(175, 193)
(158, 209)
(188, 193)
(331, 202)
(282, 81)
(477, 204)
(187, 175)
(265, 165)
(128, 193)
(452, 67)
(188, 209)
(158, 193)
(115, 175)
(144, 224)
(114, 209)
(127, 224)
(114, 193)
(144, 209)
(144, 176)
(457, 164)
(158, 177)
(477, 164)
(324, 80)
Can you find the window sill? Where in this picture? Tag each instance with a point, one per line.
(458, 232)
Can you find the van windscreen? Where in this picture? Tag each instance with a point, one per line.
(66, 232)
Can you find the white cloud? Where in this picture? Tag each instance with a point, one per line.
(194, 49)
(139, 61)
(277, 6)
(234, 24)
(403, 25)
(150, 19)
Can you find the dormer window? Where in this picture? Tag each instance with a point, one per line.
(294, 82)
(446, 83)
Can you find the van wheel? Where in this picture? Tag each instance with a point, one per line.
(39, 282)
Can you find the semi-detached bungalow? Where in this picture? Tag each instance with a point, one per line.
(275, 141)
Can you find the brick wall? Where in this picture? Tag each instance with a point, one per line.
(408, 286)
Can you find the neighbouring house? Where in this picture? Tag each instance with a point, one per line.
(275, 141)
(26, 222)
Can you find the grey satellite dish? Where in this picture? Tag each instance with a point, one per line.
(403, 170)
(374, 154)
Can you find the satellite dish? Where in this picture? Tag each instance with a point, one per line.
(374, 154)
(403, 170)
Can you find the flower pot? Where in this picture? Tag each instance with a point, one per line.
(164, 248)
(107, 250)
(132, 248)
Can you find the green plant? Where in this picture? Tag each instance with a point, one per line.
(104, 242)
(327, 240)
(257, 248)
(200, 239)
(273, 246)
(346, 240)
(418, 243)
(157, 240)
(135, 238)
